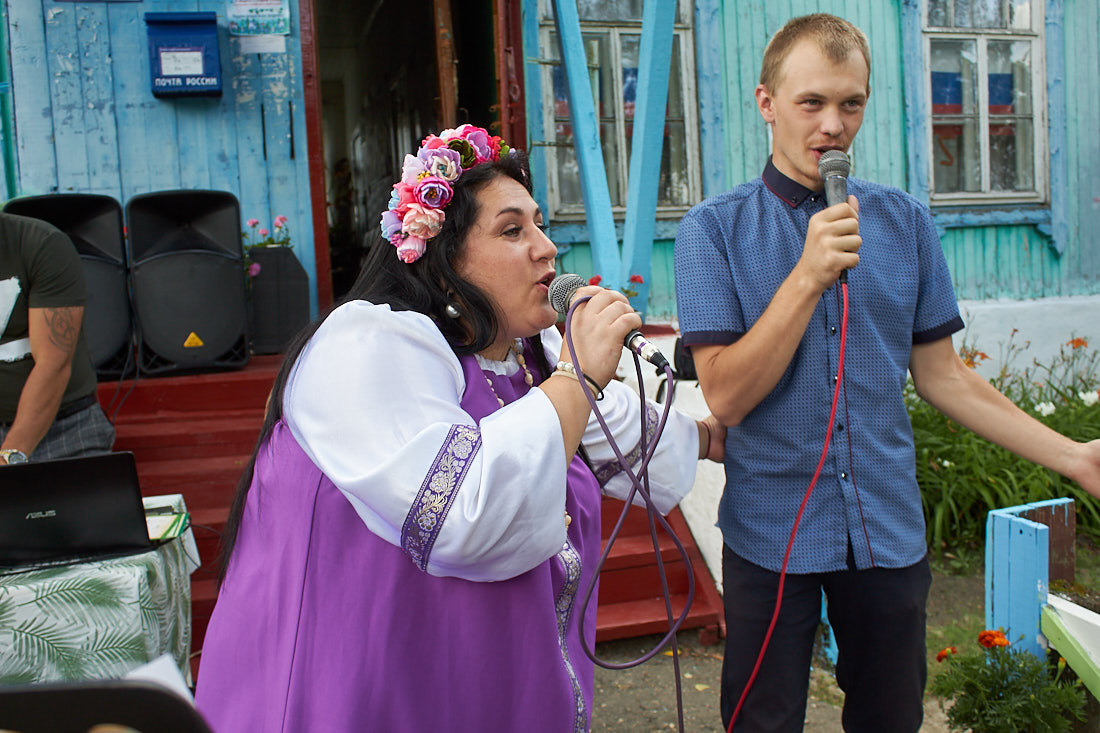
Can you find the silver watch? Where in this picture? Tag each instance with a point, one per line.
(13, 456)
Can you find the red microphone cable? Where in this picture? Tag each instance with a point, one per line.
(801, 508)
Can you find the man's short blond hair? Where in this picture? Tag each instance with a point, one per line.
(836, 38)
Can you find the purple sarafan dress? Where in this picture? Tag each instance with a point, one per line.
(323, 626)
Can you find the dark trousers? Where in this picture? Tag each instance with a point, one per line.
(878, 619)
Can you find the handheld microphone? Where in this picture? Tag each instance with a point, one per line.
(834, 167)
(562, 290)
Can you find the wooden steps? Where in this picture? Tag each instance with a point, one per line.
(193, 435)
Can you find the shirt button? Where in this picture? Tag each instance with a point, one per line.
(844, 474)
(840, 427)
(832, 329)
(834, 379)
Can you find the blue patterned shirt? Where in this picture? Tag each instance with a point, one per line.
(732, 253)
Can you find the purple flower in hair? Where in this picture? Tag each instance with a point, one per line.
(442, 162)
(433, 192)
(479, 140)
(391, 224)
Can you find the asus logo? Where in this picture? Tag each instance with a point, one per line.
(41, 515)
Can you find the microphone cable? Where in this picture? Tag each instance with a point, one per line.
(801, 508)
(638, 487)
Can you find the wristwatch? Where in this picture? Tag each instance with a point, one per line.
(13, 456)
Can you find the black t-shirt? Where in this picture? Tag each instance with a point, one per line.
(39, 268)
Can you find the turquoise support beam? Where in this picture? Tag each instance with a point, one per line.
(536, 123)
(654, 54)
(586, 143)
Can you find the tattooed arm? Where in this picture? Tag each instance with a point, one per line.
(53, 334)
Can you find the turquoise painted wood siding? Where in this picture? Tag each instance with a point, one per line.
(1082, 75)
(986, 261)
(87, 122)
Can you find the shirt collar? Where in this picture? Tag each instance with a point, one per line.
(789, 190)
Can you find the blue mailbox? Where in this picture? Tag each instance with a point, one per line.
(183, 54)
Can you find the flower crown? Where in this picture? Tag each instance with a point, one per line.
(415, 212)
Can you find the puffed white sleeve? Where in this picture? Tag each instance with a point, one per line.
(374, 400)
(672, 469)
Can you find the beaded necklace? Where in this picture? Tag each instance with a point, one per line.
(516, 349)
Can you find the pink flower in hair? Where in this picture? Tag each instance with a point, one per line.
(432, 142)
(422, 222)
(433, 192)
(409, 249)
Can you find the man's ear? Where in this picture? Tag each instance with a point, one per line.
(764, 103)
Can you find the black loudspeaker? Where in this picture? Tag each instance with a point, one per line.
(94, 224)
(187, 279)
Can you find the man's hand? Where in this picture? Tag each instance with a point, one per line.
(832, 244)
(1087, 470)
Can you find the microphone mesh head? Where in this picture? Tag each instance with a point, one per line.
(562, 289)
(834, 163)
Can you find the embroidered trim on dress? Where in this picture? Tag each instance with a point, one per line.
(437, 493)
(607, 470)
(570, 561)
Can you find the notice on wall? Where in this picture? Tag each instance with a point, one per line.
(258, 17)
(263, 44)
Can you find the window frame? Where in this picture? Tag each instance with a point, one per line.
(981, 37)
(569, 213)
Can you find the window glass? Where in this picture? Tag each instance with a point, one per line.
(1010, 128)
(613, 55)
(955, 141)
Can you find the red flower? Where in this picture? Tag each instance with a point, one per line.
(944, 653)
(595, 280)
(991, 638)
(636, 279)
(1078, 343)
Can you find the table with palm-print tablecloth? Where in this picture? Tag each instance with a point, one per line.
(99, 619)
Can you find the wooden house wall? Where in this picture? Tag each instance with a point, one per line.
(1008, 261)
(87, 121)
(990, 261)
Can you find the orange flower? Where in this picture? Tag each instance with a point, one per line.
(991, 638)
(1078, 343)
(971, 357)
(944, 653)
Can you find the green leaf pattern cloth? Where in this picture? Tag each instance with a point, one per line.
(101, 619)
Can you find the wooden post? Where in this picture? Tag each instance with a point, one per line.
(311, 85)
(445, 61)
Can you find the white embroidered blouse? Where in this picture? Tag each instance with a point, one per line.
(373, 398)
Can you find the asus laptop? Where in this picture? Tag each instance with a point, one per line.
(71, 509)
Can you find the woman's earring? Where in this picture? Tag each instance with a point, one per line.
(451, 311)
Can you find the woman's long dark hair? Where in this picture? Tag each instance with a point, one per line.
(426, 286)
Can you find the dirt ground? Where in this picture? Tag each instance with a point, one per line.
(643, 699)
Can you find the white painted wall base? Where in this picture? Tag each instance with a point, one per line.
(1044, 325)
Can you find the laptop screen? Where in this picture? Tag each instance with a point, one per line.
(71, 508)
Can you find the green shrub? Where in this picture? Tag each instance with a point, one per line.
(962, 477)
